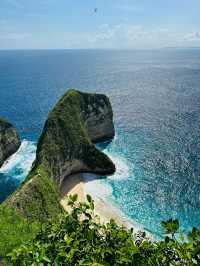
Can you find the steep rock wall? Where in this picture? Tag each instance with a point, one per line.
(9, 140)
(66, 144)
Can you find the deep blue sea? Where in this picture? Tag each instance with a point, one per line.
(156, 101)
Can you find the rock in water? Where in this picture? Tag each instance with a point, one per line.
(66, 145)
(64, 148)
(9, 140)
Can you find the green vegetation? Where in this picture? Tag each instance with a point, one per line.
(38, 198)
(34, 205)
(65, 138)
(14, 229)
(35, 230)
(64, 147)
(78, 238)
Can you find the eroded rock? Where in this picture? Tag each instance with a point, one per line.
(9, 140)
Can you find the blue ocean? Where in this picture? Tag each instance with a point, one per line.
(156, 102)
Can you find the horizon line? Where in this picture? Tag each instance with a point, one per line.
(109, 49)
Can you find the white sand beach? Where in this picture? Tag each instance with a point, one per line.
(76, 184)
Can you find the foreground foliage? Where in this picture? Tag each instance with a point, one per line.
(78, 238)
(14, 230)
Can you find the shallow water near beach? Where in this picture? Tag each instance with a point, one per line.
(155, 97)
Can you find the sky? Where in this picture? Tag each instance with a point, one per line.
(117, 24)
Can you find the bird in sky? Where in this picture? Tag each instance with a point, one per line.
(96, 10)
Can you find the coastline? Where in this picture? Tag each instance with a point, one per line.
(76, 184)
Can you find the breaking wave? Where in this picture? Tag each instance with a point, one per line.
(19, 164)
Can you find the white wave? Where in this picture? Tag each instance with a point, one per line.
(115, 137)
(96, 187)
(22, 160)
(99, 190)
(122, 167)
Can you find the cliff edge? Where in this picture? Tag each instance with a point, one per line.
(66, 144)
(9, 140)
(66, 147)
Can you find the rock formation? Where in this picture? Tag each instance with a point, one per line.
(9, 140)
(64, 148)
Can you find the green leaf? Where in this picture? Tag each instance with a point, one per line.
(170, 226)
(44, 258)
(89, 198)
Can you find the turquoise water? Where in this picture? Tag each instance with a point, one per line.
(155, 97)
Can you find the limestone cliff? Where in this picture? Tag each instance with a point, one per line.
(9, 140)
(64, 148)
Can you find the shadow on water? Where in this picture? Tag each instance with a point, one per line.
(103, 145)
(7, 186)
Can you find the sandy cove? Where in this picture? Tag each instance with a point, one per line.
(74, 184)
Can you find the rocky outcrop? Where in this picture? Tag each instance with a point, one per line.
(64, 148)
(66, 145)
(98, 116)
(9, 140)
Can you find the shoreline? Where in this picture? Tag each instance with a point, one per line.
(76, 184)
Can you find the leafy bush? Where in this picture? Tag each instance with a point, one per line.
(78, 238)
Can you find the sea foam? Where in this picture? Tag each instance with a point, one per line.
(96, 187)
(122, 166)
(19, 164)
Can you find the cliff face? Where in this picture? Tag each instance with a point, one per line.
(98, 116)
(9, 140)
(66, 147)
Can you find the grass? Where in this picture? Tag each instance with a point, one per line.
(15, 230)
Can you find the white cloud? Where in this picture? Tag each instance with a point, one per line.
(193, 36)
(119, 36)
(136, 36)
(127, 36)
